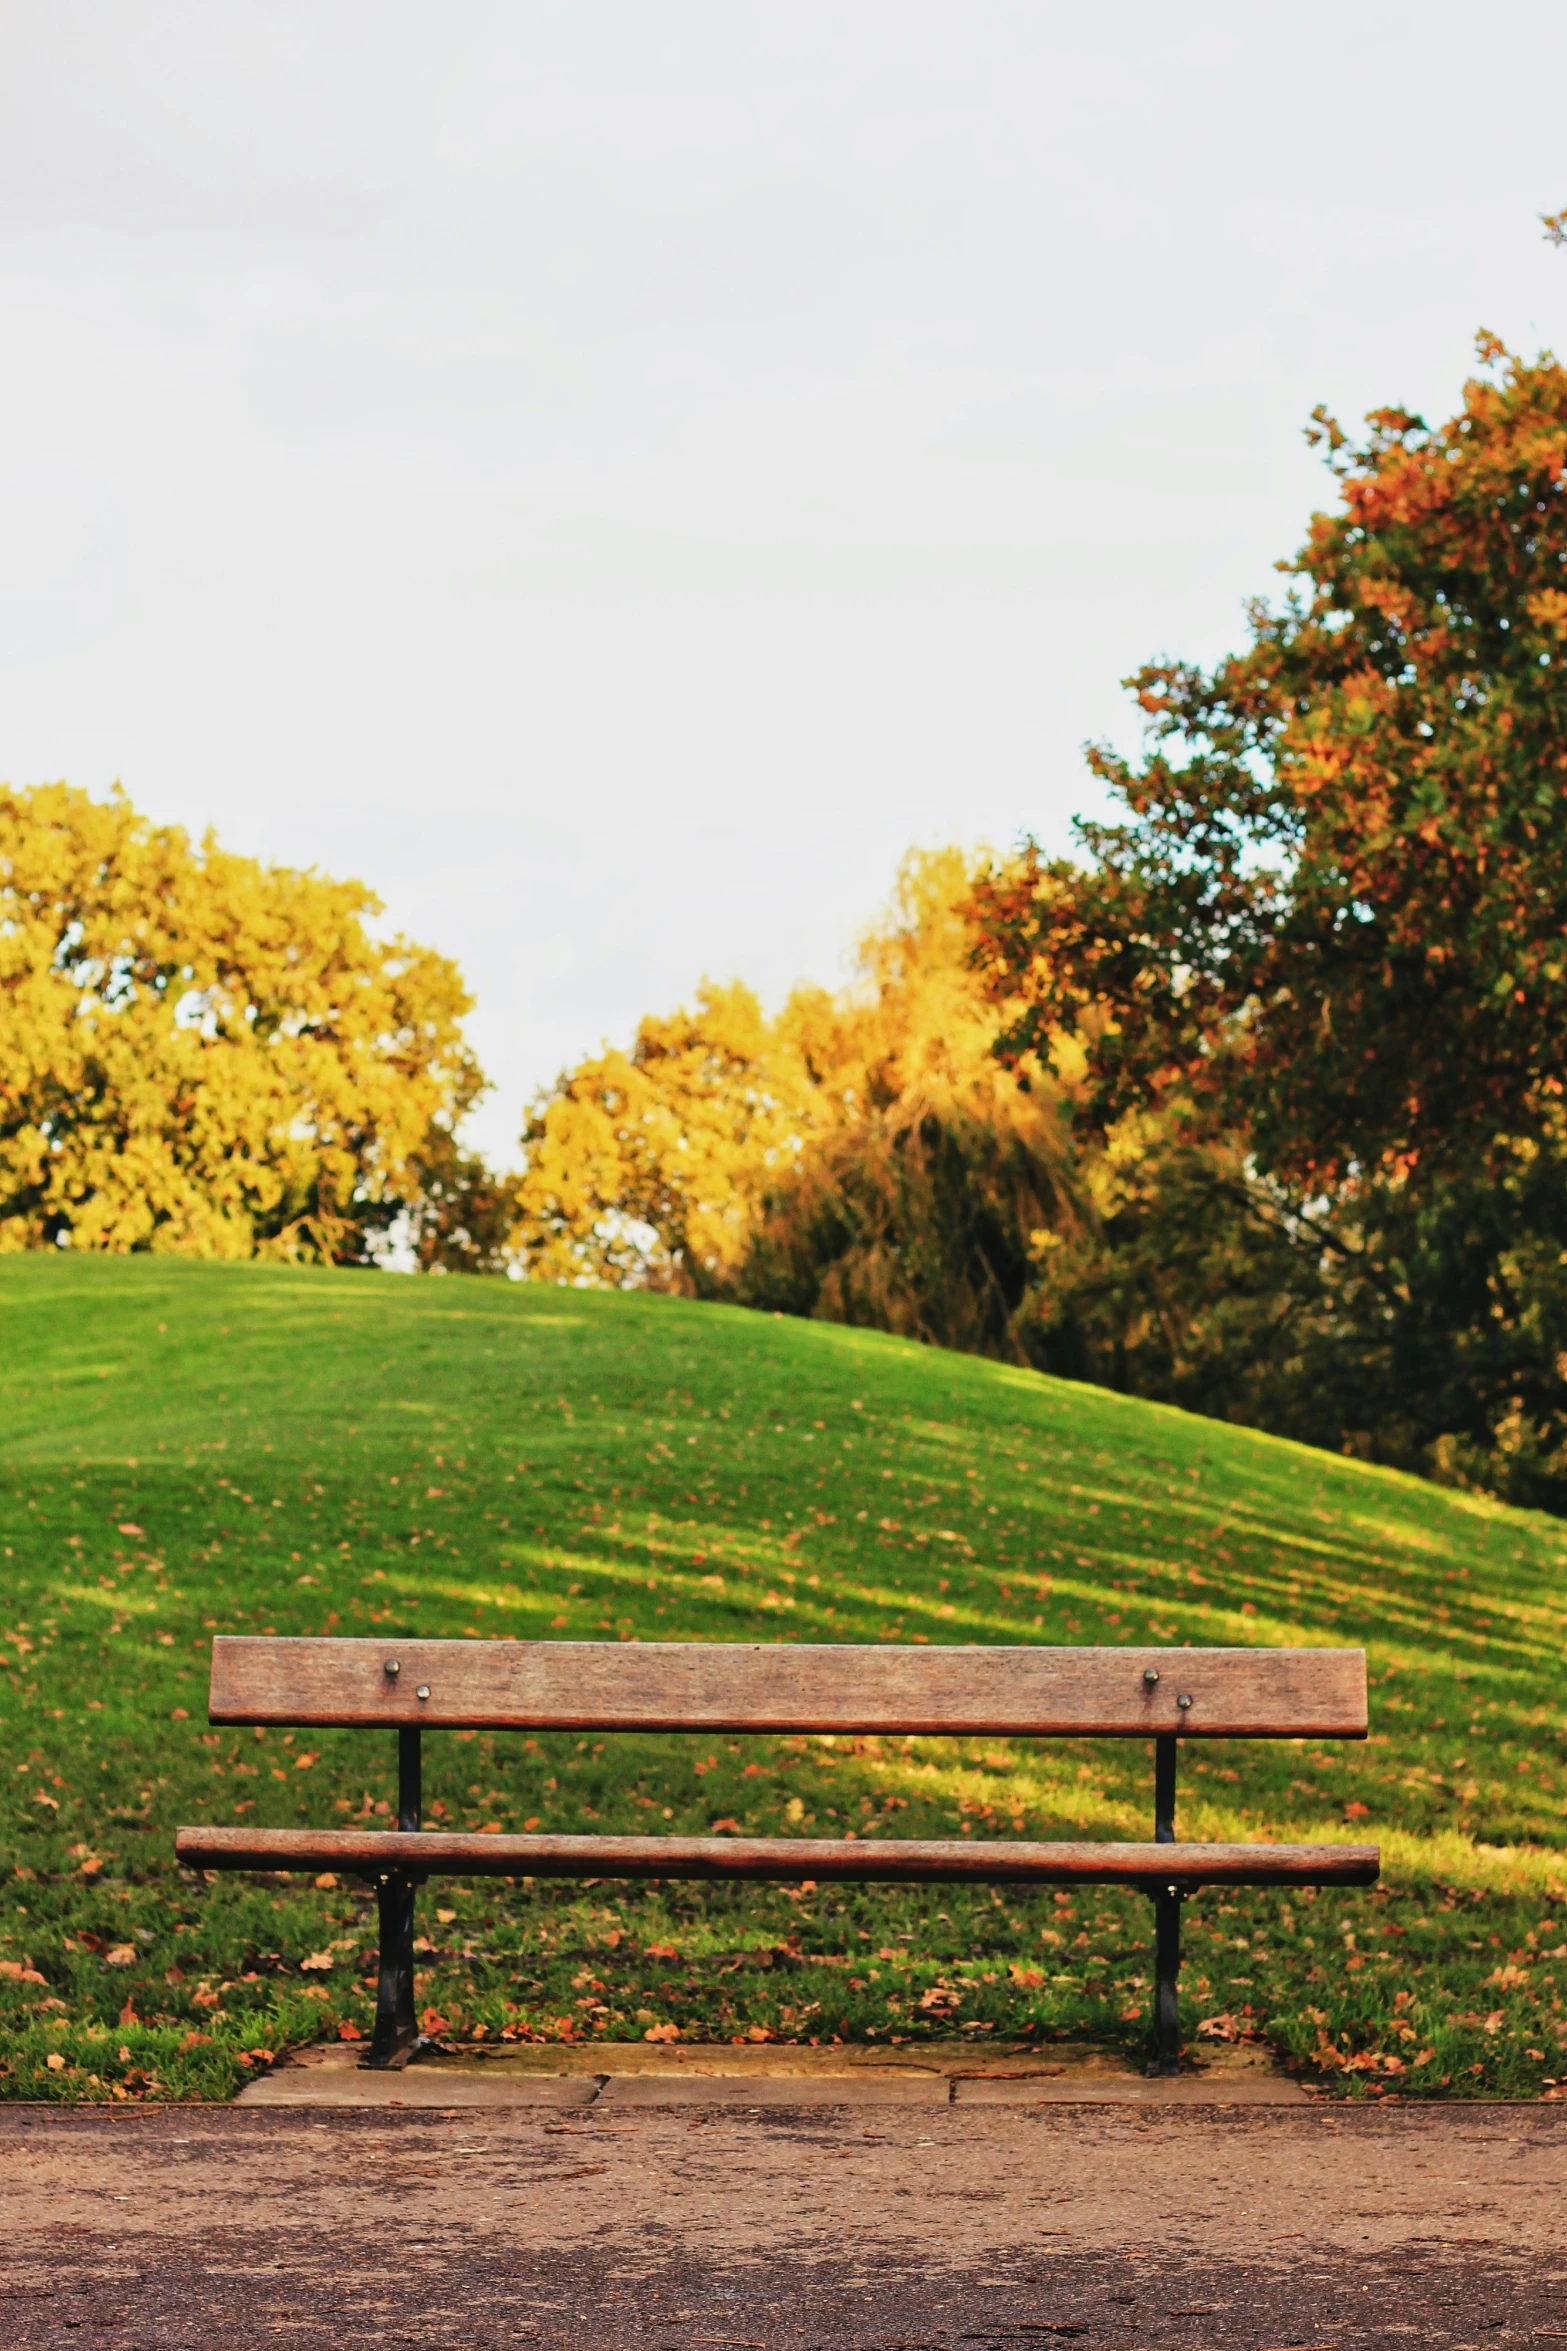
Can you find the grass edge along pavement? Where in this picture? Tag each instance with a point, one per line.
(186, 1448)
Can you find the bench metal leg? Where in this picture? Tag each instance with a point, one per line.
(1165, 2049)
(1165, 2055)
(392, 2043)
(396, 2033)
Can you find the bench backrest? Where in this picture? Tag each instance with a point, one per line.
(766, 1686)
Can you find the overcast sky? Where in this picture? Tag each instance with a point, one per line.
(614, 475)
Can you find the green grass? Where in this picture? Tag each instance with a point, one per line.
(186, 1449)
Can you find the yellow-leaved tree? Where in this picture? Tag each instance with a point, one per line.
(203, 1054)
(863, 1157)
(927, 1199)
(648, 1168)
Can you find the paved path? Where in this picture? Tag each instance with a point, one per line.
(844, 2225)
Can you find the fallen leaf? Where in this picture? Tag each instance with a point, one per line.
(14, 1972)
(123, 1955)
(127, 1528)
(55, 2062)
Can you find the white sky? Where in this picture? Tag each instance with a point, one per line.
(614, 474)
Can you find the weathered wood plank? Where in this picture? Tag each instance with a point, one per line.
(756, 1686)
(893, 1861)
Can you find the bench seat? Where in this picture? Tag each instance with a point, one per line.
(889, 1861)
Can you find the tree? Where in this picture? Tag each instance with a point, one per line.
(1336, 907)
(863, 1157)
(203, 1054)
(463, 1211)
(1327, 938)
(923, 1201)
(646, 1169)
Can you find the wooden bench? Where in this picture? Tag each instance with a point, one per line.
(412, 1686)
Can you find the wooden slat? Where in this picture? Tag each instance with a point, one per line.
(890, 1861)
(756, 1686)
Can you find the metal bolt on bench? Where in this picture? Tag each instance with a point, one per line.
(706, 1687)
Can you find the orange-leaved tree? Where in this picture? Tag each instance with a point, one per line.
(1337, 898)
(203, 1054)
(1327, 931)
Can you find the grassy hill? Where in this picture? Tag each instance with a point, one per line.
(189, 1448)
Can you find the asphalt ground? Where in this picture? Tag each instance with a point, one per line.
(848, 2226)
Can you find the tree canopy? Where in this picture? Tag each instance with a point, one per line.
(1322, 955)
(205, 1054)
(1335, 904)
(863, 1156)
